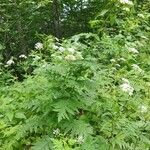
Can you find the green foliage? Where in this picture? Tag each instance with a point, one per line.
(86, 92)
(73, 102)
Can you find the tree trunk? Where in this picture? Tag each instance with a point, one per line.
(56, 18)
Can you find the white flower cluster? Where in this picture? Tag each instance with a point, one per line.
(116, 62)
(126, 87)
(55, 47)
(61, 49)
(10, 62)
(141, 16)
(143, 109)
(126, 9)
(56, 131)
(133, 50)
(121, 59)
(117, 65)
(71, 50)
(125, 80)
(80, 139)
(70, 53)
(112, 60)
(126, 2)
(38, 46)
(77, 56)
(70, 57)
(137, 68)
(23, 56)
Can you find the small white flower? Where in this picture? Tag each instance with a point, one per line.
(143, 109)
(10, 62)
(55, 47)
(117, 65)
(23, 56)
(113, 60)
(137, 68)
(61, 49)
(122, 59)
(126, 9)
(71, 50)
(56, 131)
(125, 80)
(80, 139)
(70, 57)
(39, 46)
(126, 2)
(141, 16)
(126, 87)
(133, 50)
(144, 37)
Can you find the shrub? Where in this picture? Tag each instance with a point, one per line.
(92, 95)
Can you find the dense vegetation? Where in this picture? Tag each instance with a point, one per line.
(74, 75)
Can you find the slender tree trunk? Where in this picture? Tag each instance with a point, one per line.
(19, 26)
(56, 18)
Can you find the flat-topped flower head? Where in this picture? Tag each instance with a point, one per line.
(112, 60)
(38, 46)
(70, 57)
(126, 9)
(55, 47)
(23, 56)
(117, 65)
(71, 50)
(126, 87)
(126, 2)
(141, 16)
(125, 80)
(61, 49)
(143, 109)
(80, 139)
(56, 131)
(122, 59)
(10, 62)
(137, 68)
(133, 50)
